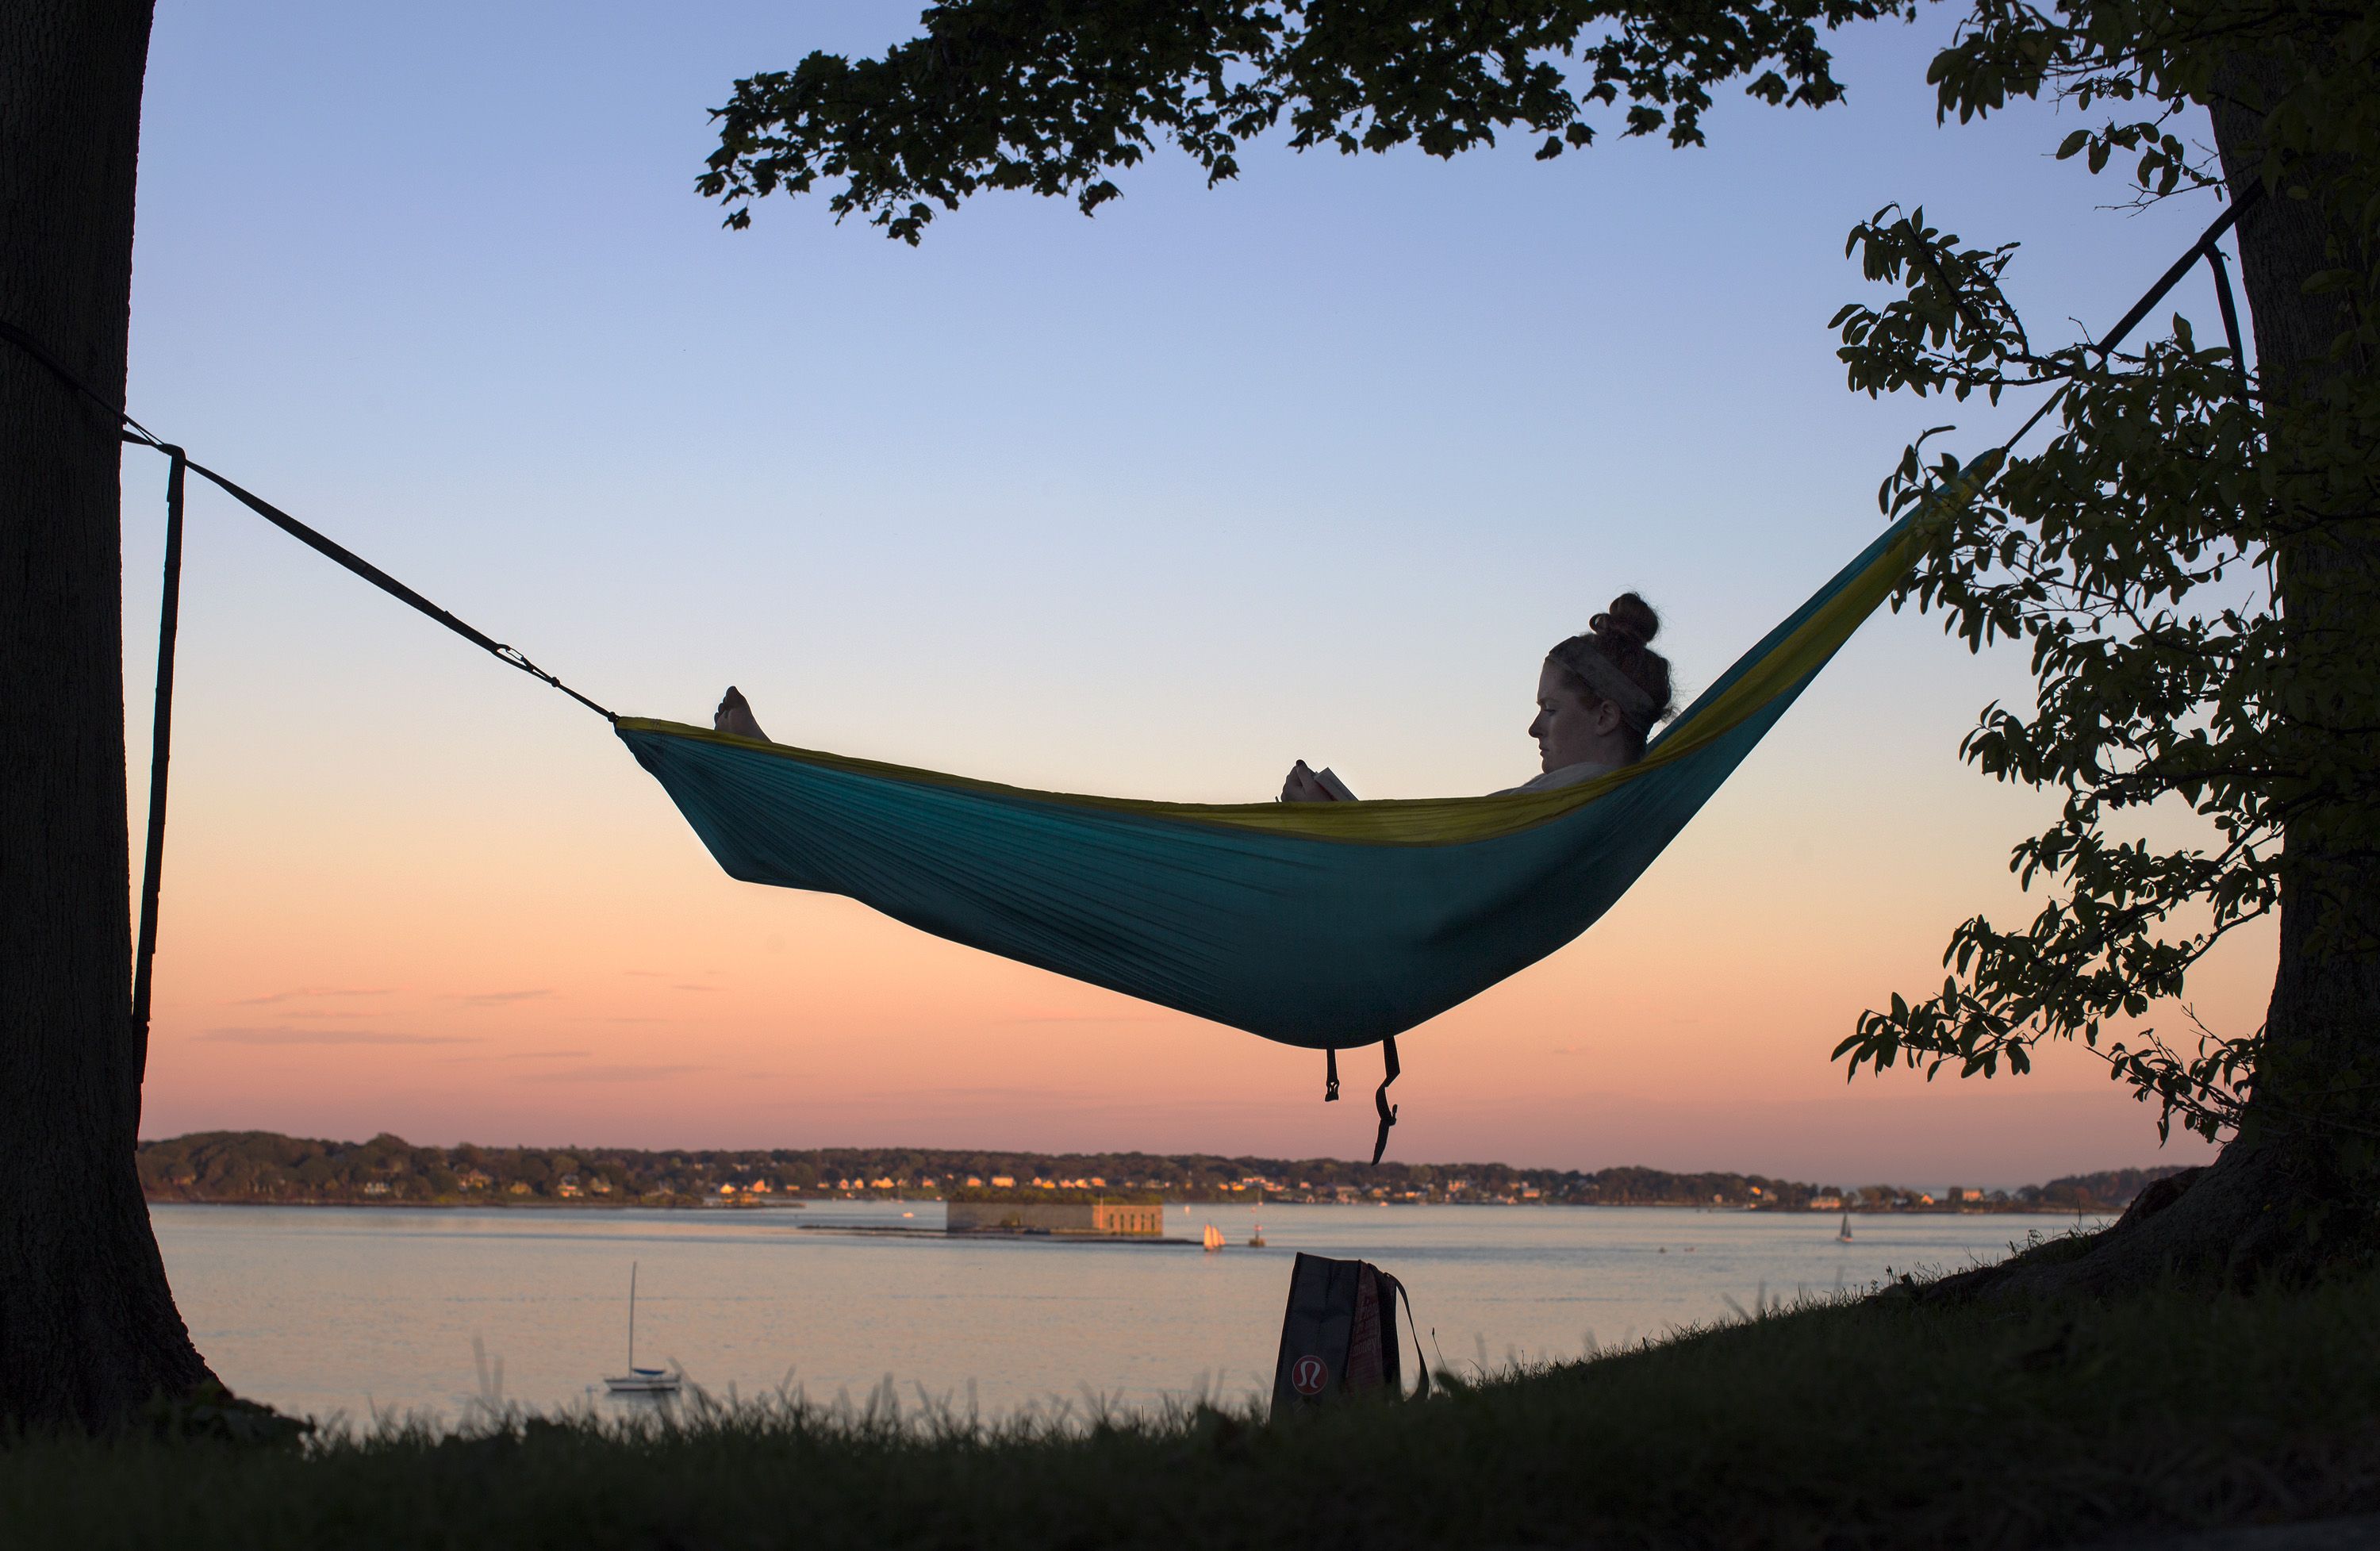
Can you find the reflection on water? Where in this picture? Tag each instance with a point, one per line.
(327, 1309)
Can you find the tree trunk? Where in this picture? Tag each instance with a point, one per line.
(2290, 1192)
(2321, 1061)
(88, 1327)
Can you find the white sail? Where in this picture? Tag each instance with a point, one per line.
(639, 1381)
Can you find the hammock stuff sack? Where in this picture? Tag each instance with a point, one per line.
(1323, 925)
(1338, 1338)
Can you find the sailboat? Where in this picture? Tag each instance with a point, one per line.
(1213, 1238)
(639, 1381)
(1256, 1240)
(1844, 1234)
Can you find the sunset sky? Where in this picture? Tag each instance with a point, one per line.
(1315, 464)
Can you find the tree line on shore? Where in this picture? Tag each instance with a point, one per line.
(264, 1167)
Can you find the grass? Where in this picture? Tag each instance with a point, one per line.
(1841, 1425)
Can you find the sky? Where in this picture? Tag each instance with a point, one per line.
(1315, 465)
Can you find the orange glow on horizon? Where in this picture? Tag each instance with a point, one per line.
(467, 966)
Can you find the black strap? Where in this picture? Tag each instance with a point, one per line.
(161, 743)
(2241, 204)
(139, 435)
(1421, 1362)
(1329, 1076)
(161, 734)
(1380, 1098)
(390, 585)
(2204, 247)
(55, 367)
(2230, 323)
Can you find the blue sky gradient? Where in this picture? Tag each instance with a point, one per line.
(1314, 464)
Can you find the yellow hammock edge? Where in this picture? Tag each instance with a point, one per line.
(1440, 820)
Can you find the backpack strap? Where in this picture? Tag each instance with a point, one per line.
(1421, 1362)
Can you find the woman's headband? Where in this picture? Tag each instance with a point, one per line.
(1604, 677)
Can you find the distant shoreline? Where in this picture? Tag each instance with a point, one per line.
(1942, 1210)
(262, 1167)
(995, 1235)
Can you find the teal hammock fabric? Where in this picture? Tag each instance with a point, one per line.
(1323, 925)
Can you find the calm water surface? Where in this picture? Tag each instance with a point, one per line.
(325, 1310)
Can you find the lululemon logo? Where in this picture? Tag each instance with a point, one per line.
(1308, 1374)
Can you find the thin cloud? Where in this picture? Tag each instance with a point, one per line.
(485, 1058)
(611, 1073)
(320, 1014)
(307, 993)
(285, 1035)
(1079, 1018)
(975, 1097)
(493, 998)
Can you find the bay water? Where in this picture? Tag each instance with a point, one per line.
(357, 1312)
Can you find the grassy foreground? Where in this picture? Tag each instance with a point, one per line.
(1884, 1423)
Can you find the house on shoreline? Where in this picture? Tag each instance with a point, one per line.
(1098, 1216)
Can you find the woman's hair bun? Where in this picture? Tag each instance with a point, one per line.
(1628, 619)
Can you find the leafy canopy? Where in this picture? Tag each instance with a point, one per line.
(1051, 95)
(2190, 561)
(2178, 557)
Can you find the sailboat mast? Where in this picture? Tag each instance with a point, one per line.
(632, 1316)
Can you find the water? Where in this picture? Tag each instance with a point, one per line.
(325, 1309)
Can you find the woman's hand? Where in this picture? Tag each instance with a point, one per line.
(1303, 787)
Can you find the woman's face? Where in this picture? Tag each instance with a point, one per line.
(1569, 728)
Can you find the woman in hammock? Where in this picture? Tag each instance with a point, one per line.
(1599, 695)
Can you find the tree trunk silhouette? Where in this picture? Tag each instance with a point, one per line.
(2286, 1194)
(88, 1327)
(2323, 1021)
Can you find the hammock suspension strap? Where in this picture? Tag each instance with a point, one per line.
(1329, 1076)
(161, 743)
(136, 434)
(2230, 321)
(179, 468)
(388, 584)
(1380, 1097)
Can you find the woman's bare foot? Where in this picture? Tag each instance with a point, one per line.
(735, 715)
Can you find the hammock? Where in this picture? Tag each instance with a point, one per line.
(1324, 925)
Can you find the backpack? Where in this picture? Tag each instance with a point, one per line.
(1338, 1337)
